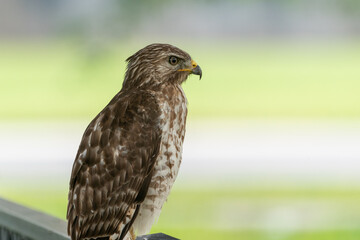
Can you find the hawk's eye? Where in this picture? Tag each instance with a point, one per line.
(173, 60)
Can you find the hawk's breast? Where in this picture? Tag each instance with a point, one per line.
(172, 122)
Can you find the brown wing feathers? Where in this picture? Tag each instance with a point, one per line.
(113, 166)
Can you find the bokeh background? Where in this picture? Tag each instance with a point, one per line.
(273, 139)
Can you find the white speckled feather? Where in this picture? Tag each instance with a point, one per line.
(169, 159)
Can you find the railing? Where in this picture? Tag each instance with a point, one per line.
(21, 223)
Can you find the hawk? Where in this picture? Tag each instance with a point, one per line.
(130, 153)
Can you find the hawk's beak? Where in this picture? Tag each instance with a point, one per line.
(194, 70)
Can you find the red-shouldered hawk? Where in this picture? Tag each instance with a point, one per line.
(130, 153)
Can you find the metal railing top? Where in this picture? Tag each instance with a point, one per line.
(30, 223)
(18, 222)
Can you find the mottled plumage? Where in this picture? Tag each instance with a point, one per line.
(130, 153)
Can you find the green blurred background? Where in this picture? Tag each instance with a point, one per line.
(274, 125)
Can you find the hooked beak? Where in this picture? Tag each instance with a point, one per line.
(194, 70)
(197, 71)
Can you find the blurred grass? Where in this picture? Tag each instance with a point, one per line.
(195, 213)
(241, 79)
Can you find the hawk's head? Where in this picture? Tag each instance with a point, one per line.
(159, 63)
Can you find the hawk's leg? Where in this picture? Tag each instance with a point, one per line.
(132, 233)
(129, 236)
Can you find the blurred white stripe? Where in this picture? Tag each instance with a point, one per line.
(257, 150)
